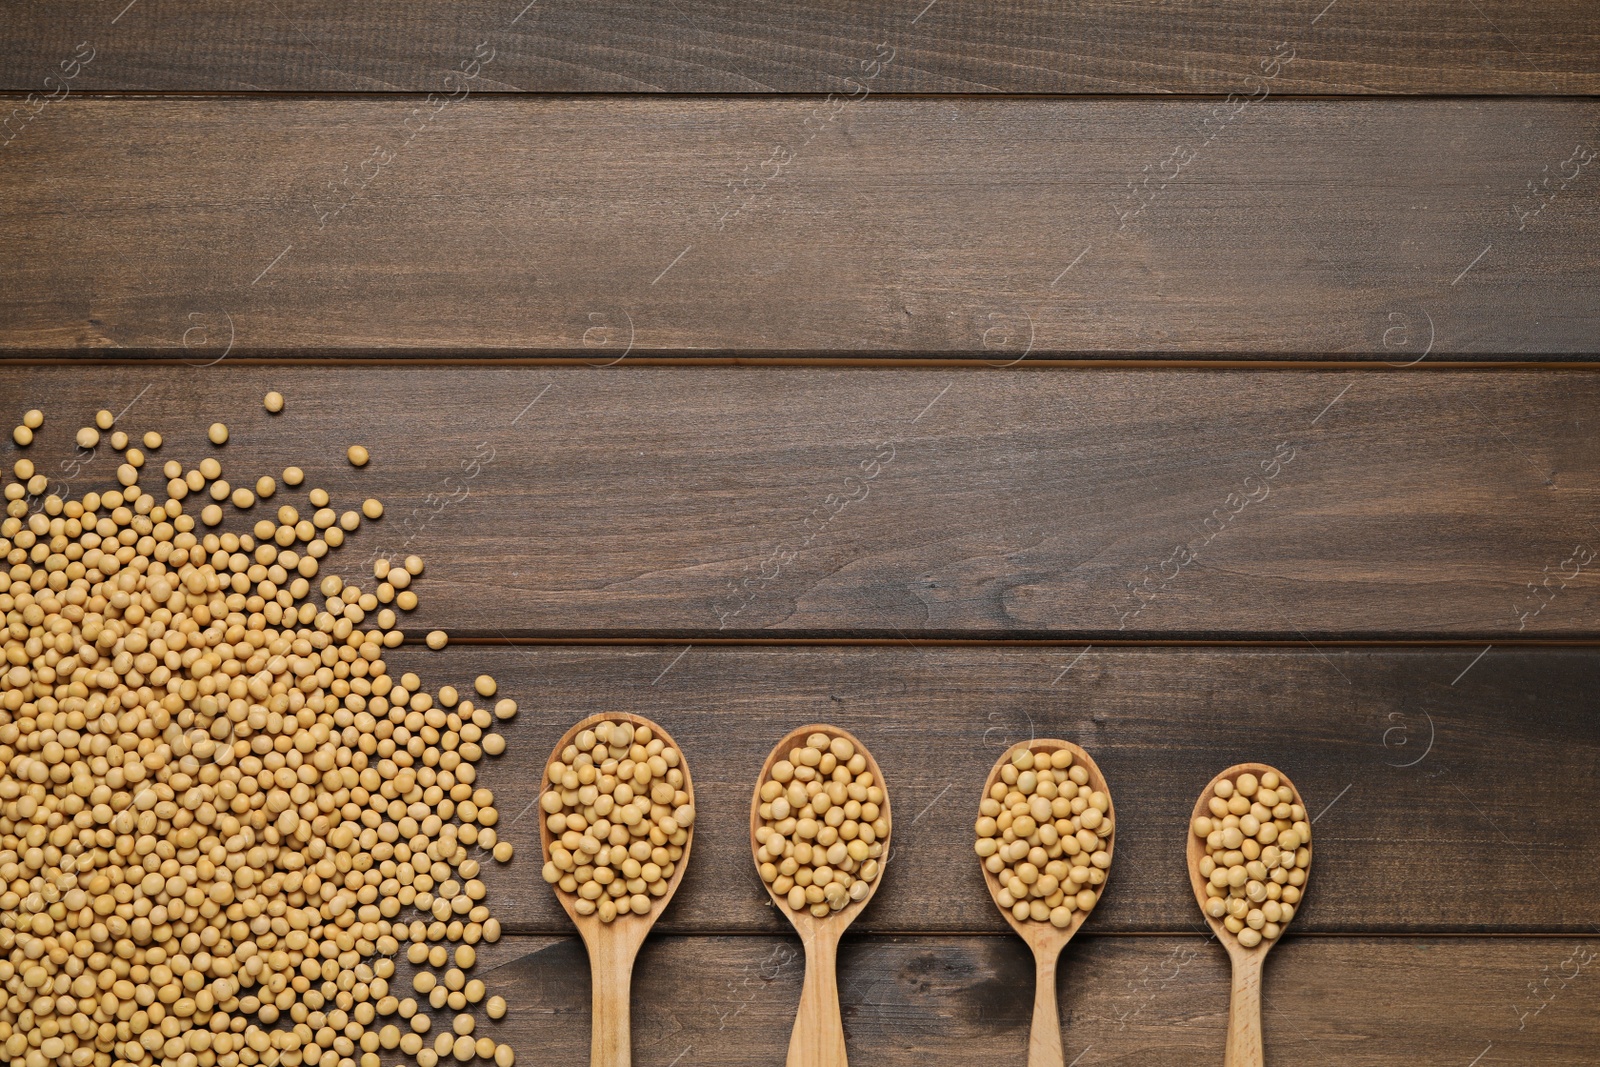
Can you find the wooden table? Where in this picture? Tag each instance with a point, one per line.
(1198, 383)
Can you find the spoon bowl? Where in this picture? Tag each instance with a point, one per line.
(614, 945)
(1244, 1047)
(818, 1036)
(1044, 938)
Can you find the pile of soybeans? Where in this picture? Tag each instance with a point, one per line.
(220, 816)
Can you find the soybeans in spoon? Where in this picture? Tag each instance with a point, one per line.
(1249, 853)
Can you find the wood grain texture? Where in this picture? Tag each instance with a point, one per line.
(1245, 1038)
(611, 961)
(683, 502)
(1162, 1001)
(1502, 796)
(1003, 229)
(1354, 46)
(1044, 1034)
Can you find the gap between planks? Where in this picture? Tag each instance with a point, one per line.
(1072, 641)
(777, 96)
(875, 934)
(1577, 363)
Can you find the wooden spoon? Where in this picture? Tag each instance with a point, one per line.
(818, 1036)
(1244, 1004)
(614, 945)
(1045, 938)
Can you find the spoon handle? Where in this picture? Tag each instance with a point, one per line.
(1244, 1012)
(1044, 1041)
(818, 1038)
(611, 972)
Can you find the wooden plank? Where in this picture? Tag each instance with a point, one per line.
(1351, 1002)
(1003, 229)
(684, 502)
(1500, 777)
(1023, 46)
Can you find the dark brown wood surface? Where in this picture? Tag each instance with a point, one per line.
(1348, 46)
(1344, 1002)
(998, 228)
(1500, 771)
(687, 502)
(1381, 578)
